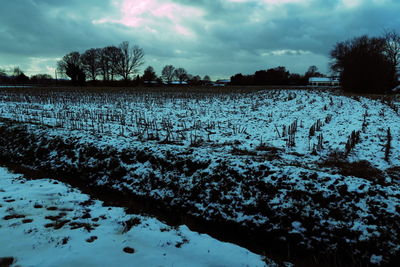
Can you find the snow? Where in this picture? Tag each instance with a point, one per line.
(154, 243)
(297, 228)
(396, 89)
(376, 259)
(216, 124)
(242, 140)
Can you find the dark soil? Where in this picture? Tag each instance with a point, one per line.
(91, 239)
(19, 146)
(129, 250)
(13, 216)
(6, 261)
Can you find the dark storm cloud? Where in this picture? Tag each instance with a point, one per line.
(44, 27)
(243, 31)
(312, 25)
(217, 37)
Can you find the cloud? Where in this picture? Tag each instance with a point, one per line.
(216, 37)
(156, 17)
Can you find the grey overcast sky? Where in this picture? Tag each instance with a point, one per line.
(215, 37)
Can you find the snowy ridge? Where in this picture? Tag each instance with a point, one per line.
(332, 210)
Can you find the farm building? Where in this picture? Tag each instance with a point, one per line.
(222, 82)
(323, 81)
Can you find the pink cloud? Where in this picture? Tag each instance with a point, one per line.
(275, 2)
(155, 14)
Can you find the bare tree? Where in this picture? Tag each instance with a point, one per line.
(105, 65)
(71, 65)
(181, 74)
(115, 56)
(110, 60)
(149, 74)
(41, 78)
(132, 59)
(392, 49)
(313, 72)
(363, 65)
(17, 72)
(168, 73)
(195, 80)
(207, 78)
(3, 75)
(91, 62)
(19, 75)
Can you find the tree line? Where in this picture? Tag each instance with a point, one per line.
(17, 76)
(276, 76)
(363, 64)
(121, 62)
(171, 74)
(109, 63)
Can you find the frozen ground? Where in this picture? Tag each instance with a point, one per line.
(47, 223)
(317, 169)
(217, 123)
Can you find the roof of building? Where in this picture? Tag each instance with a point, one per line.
(323, 79)
(178, 82)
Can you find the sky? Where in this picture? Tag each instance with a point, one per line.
(218, 38)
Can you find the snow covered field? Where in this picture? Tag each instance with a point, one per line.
(313, 171)
(47, 223)
(218, 123)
